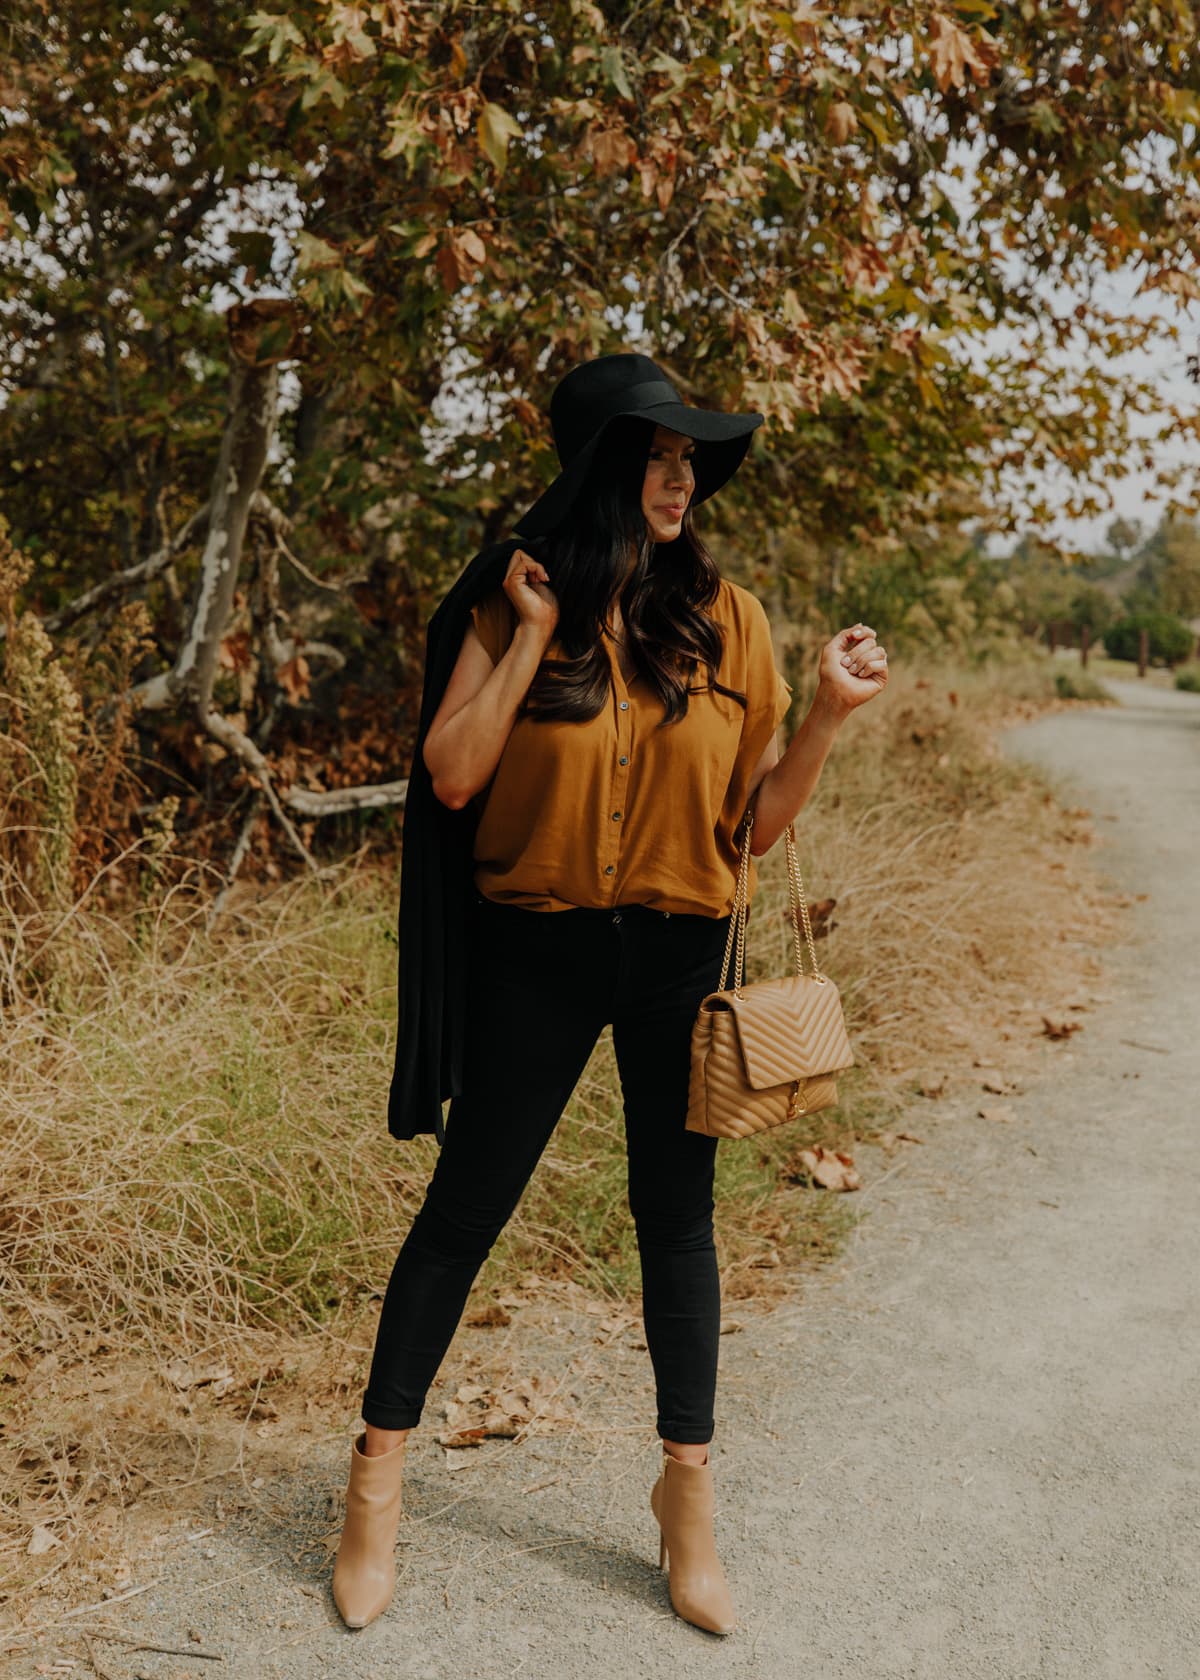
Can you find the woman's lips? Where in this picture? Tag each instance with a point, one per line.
(676, 511)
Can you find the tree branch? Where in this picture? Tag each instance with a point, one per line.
(130, 578)
(370, 796)
(254, 389)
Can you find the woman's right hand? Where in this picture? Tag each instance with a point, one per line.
(527, 585)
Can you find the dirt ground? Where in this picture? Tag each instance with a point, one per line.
(966, 1448)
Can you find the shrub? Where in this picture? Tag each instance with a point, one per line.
(1187, 677)
(1078, 685)
(40, 729)
(1170, 639)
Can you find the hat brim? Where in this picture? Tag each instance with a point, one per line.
(722, 441)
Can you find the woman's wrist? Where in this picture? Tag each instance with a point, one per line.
(532, 635)
(826, 709)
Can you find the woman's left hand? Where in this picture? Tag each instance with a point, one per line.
(853, 668)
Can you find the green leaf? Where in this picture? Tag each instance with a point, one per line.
(355, 289)
(407, 136)
(495, 129)
(662, 64)
(875, 125)
(274, 32)
(314, 253)
(326, 86)
(613, 66)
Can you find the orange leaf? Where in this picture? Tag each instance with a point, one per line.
(954, 51)
(448, 267)
(235, 653)
(293, 679)
(830, 1168)
(612, 150)
(841, 122)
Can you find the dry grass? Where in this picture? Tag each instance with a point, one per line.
(199, 1203)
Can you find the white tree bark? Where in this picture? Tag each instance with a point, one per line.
(253, 401)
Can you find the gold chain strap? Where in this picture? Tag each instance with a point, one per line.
(799, 912)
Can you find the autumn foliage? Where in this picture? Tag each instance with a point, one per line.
(349, 249)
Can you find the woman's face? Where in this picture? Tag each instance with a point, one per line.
(669, 483)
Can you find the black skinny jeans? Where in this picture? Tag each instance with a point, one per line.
(542, 986)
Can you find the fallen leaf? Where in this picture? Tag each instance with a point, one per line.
(477, 1413)
(613, 1325)
(464, 1437)
(492, 1315)
(182, 1374)
(830, 1168)
(41, 1540)
(1060, 1029)
(890, 1140)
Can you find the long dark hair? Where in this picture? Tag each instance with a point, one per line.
(666, 630)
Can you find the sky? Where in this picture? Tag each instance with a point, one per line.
(1161, 360)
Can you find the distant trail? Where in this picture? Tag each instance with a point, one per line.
(968, 1449)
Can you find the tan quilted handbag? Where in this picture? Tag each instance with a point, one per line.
(766, 1053)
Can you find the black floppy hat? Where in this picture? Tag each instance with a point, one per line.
(606, 388)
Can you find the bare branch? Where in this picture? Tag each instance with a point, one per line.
(371, 796)
(236, 741)
(130, 578)
(281, 529)
(236, 859)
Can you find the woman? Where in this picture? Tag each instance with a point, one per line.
(611, 712)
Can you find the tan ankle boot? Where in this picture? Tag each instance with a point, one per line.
(682, 1500)
(364, 1572)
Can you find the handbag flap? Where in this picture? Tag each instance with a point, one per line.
(787, 1028)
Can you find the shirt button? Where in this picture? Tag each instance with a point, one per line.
(608, 868)
(624, 705)
(622, 759)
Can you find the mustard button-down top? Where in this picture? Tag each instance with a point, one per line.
(616, 811)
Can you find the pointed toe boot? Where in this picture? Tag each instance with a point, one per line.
(682, 1501)
(364, 1571)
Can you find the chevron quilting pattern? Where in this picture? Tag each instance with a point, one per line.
(747, 1054)
(789, 1028)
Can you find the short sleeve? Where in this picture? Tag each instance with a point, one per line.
(783, 697)
(494, 621)
(768, 689)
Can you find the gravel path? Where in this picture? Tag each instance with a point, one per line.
(967, 1448)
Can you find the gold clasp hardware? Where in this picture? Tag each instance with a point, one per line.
(795, 1106)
